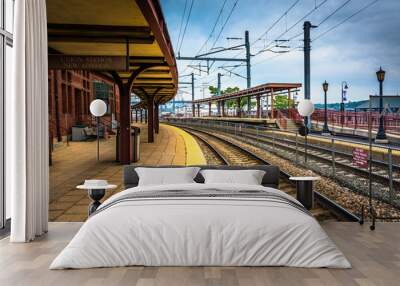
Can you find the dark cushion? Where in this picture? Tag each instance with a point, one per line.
(270, 179)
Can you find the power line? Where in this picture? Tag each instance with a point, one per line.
(226, 21)
(180, 26)
(211, 33)
(345, 20)
(334, 12)
(213, 28)
(316, 7)
(276, 22)
(187, 22)
(298, 21)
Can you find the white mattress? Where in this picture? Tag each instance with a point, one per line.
(200, 232)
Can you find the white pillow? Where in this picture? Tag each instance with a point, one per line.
(246, 177)
(166, 176)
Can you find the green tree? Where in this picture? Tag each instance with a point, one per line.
(282, 102)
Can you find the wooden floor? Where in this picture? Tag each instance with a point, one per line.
(375, 257)
(74, 163)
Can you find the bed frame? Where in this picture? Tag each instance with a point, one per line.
(270, 179)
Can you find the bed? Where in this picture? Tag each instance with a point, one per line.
(201, 224)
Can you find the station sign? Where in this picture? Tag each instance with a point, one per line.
(360, 158)
(94, 63)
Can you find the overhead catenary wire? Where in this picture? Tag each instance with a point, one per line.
(226, 21)
(213, 28)
(187, 22)
(315, 8)
(345, 20)
(181, 25)
(276, 22)
(211, 33)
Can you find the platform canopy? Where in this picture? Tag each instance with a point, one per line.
(263, 89)
(124, 37)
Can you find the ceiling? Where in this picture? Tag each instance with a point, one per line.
(133, 29)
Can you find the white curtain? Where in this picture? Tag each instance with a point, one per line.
(27, 141)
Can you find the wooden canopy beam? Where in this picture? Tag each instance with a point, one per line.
(99, 33)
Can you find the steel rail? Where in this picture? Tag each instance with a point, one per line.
(324, 201)
(291, 148)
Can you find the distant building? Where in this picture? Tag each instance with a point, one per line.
(390, 102)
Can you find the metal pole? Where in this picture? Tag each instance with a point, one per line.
(248, 66)
(372, 227)
(381, 132)
(390, 173)
(192, 86)
(305, 148)
(333, 158)
(325, 129)
(297, 146)
(98, 138)
(307, 78)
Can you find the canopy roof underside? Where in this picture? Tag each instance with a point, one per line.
(131, 32)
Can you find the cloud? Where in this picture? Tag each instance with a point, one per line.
(352, 52)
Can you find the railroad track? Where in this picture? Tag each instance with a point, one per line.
(343, 160)
(230, 153)
(320, 159)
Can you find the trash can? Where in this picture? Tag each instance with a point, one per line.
(135, 143)
(78, 133)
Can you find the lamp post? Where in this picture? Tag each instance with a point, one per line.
(381, 135)
(325, 129)
(305, 109)
(98, 108)
(345, 86)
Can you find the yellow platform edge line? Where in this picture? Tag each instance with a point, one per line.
(194, 154)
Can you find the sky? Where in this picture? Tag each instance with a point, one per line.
(352, 52)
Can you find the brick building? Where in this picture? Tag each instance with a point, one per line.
(70, 94)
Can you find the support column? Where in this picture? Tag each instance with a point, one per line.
(150, 118)
(125, 125)
(272, 104)
(156, 118)
(209, 108)
(238, 107)
(289, 98)
(219, 108)
(145, 116)
(223, 108)
(141, 115)
(136, 115)
(193, 110)
(198, 109)
(258, 113)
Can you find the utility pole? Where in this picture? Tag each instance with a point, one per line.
(248, 55)
(219, 84)
(219, 93)
(192, 86)
(210, 59)
(307, 48)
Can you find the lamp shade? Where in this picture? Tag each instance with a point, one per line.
(380, 74)
(98, 107)
(325, 86)
(305, 107)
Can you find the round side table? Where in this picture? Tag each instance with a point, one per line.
(96, 194)
(305, 194)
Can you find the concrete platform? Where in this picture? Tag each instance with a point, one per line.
(77, 162)
(374, 255)
(264, 121)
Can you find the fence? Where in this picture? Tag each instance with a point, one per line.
(386, 158)
(352, 119)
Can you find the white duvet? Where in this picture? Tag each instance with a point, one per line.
(200, 231)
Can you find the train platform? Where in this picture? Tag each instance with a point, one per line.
(249, 120)
(74, 163)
